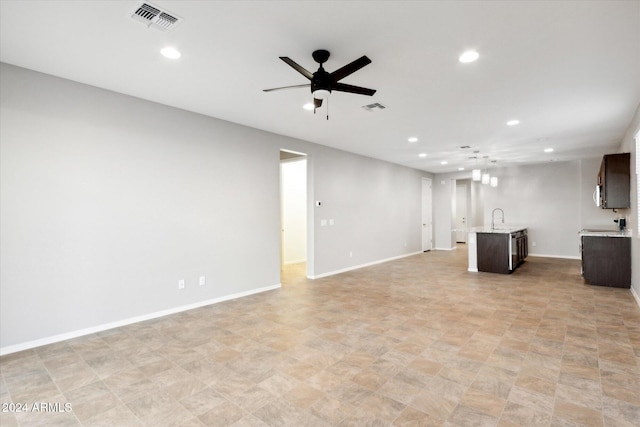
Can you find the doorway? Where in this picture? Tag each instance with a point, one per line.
(461, 214)
(427, 216)
(293, 216)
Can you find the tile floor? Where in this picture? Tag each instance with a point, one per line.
(416, 342)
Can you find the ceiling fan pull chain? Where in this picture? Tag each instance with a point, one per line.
(327, 108)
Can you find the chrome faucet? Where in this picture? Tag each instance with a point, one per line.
(493, 220)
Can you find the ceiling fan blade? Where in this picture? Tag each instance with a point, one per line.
(297, 67)
(350, 68)
(317, 103)
(341, 87)
(286, 87)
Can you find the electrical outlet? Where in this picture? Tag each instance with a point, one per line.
(181, 284)
(203, 281)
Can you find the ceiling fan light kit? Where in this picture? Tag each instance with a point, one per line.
(322, 83)
(321, 93)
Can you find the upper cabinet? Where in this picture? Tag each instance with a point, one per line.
(614, 181)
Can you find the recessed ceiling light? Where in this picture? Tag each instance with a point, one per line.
(171, 53)
(308, 106)
(413, 139)
(469, 56)
(444, 162)
(460, 169)
(548, 150)
(423, 155)
(513, 122)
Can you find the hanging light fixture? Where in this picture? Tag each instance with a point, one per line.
(493, 180)
(476, 174)
(486, 177)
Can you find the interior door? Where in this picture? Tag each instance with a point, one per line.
(427, 222)
(461, 214)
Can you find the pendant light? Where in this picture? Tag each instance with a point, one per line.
(493, 181)
(476, 174)
(486, 177)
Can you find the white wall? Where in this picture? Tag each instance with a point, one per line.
(444, 187)
(477, 204)
(545, 198)
(293, 179)
(108, 200)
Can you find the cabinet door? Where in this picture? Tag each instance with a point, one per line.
(493, 252)
(606, 261)
(615, 175)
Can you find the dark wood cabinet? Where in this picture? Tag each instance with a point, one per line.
(606, 261)
(493, 252)
(501, 252)
(614, 181)
(521, 250)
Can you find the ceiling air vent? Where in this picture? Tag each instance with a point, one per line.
(154, 17)
(374, 106)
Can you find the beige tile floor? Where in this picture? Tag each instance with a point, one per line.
(417, 341)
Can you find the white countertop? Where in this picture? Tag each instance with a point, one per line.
(504, 230)
(606, 233)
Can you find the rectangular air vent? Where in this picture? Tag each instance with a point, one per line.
(154, 17)
(374, 106)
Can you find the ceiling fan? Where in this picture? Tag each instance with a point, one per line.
(322, 82)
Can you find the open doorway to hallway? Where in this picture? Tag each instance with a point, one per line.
(293, 217)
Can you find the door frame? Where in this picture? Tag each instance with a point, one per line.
(427, 208)
(309, 212)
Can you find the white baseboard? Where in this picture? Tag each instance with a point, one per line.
(446, 249)
(355, 267)
(635, 296)
(75, 334)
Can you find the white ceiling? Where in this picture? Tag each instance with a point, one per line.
(568, 70)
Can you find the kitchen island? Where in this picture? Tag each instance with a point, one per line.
(497, 250)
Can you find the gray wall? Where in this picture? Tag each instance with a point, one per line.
(108, 200)
(376, 208)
